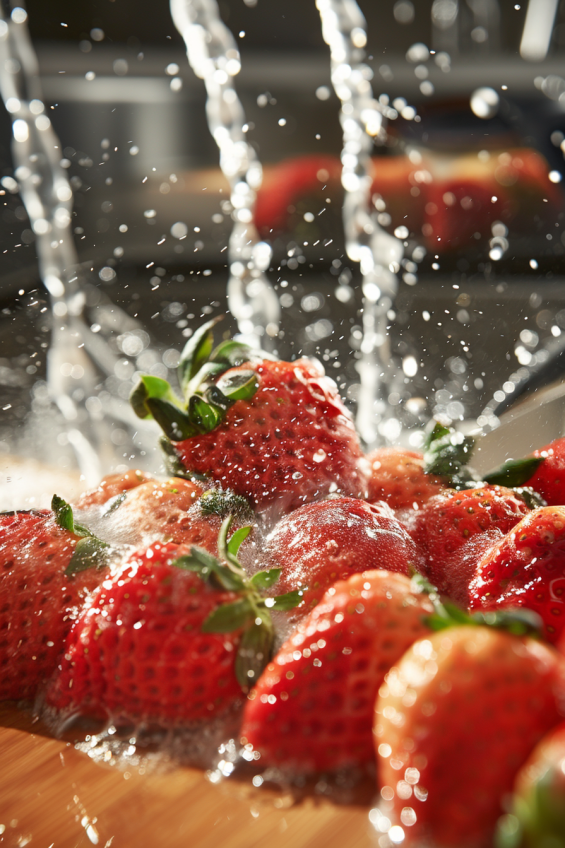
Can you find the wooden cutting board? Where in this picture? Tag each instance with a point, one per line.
(54, 796)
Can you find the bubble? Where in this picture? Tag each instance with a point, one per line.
(179, 230)
(417, 53)
(403, 11)
(172, 69)
(19, 15)
(444, 13)
(555, 176)
(120, 67)
(134, 150)
(323, 92)
(97, 34)
(401, 232)
(150, 213)
(107, 274)
(484, 102)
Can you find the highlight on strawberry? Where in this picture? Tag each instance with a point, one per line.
(275, 432)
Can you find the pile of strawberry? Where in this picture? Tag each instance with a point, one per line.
(335, 608)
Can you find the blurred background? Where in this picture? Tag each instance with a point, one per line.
(470, 179)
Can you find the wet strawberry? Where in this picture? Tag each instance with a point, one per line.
(275, 432)
(538, 806)
(398, 478)
(549, 478)
(527, 569)
(454, 721)
(326, 541)
(455, 529)
(312, 708)
(171, 638)
(39, 598)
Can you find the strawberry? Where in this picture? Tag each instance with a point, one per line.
(173, 637)
(112, 486)
(538, 809)
(275, 432)
(454, 721)
(526, 568)
(43, 584)
(312, 708)
(174, 510)
(398, 477)
(454, 529)
(549, 477)
(329, 540)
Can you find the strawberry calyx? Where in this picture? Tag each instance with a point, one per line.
(90, 551)
(206, 394)
(518, 622)
(252, 611)
(447, 453)
(223, 503)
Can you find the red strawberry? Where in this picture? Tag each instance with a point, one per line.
(527, 569)
(454, 722)
(274, 432)
(539, 800)
(174, 510)
(38, 598)
(312, 708)
(111, 486)
(171, 638)
(326, 541)
(549, 478)
(455, 529)
(398, 477)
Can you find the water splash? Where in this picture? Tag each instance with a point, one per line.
(79, 360)
(214, 58)
(378, 253)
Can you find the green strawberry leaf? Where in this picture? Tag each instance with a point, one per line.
(173, 421)
(151, 387)
(214, 395)
(266, 579)
(438, 432)
(65, 518)
(196, 352)
(254, 650)
(209, 568)
(231, 353)
(229, 617)
(514, 472)
(90, 552)
(239, 386)
(63, 513)
(282, 603)
(447, 456)
(219, 502)
(203, 416)
(519, 622)
(237, 539)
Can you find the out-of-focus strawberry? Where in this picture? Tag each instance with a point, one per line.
(312, 708)
(526, 568)
(171, 638)
(549, 478)
(537, 819)
(455, 529)
(43, 584)
(397, 477)
(275, 432)
(326, 541)
(454, 721)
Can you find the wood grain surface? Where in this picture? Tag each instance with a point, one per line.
(54, 796)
